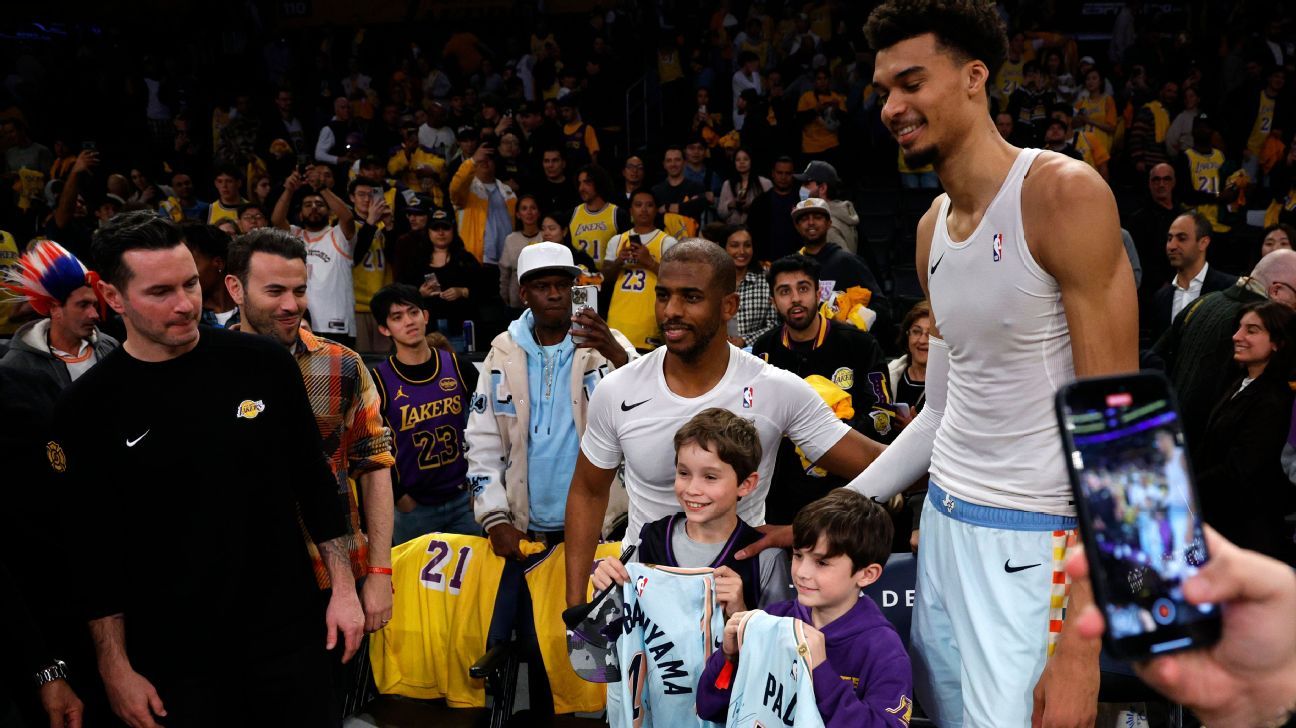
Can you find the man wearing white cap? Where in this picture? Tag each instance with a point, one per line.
(838, 266)
(528, 413)
(524, 428)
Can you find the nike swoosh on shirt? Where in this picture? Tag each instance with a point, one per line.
(1015, 569)
(132, 443)
(938, 262)
(627, 407)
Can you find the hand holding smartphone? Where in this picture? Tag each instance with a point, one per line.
(1138, 512)
(583, 297)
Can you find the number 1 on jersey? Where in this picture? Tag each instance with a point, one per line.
(433, 576)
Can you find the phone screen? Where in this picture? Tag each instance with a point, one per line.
(1138, 512)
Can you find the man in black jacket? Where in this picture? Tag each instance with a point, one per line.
(808, 344)
(1185, 248)
(770, 217)
(813, 219)
(191, 484)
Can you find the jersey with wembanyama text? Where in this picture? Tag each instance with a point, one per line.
(670, 623)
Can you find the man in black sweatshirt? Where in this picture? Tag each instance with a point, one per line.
(188, 459)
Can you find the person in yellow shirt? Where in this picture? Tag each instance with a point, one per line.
(630, 267)
(1266, 112)
(1095, 110)
(595, 220)
(229, 182)
(821, 112)
(418, 167)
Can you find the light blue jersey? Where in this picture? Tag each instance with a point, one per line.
(773, 685)
(672, 624)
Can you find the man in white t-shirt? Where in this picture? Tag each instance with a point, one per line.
(329, 251)
(634, 413)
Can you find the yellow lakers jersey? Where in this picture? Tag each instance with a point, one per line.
(9, 255)
(591, 231)
(1102, 108)
(633, 308)
(218, 212)
(547, 582)
(372, 272)
(445, 589)
(1009, 78)
(1204, 176)
(1262, 126)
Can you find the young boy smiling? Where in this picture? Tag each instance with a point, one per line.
(861, 672)
(716, 457)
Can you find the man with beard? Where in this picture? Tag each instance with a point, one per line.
(1030, 287)
(266, 277)
(844, 270)
(174, 557)
(809, 344)
(634, 413)
(329, 249)
(66, 342)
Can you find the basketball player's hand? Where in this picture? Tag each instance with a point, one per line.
(1066, 695)
(730, 641)
(132, 697)
(775, 537)
(913, 541)
(1249, 676)
(815, 641)
(376, 599)
(344, 617)
(504, 540)
(609, 571)
(598, 336)
(729, 591)
(61, 704)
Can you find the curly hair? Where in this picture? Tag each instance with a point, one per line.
(969, 29)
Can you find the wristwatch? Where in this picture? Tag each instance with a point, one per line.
(57, 671)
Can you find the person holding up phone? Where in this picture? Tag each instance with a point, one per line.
(630, 267)
(1248, 678)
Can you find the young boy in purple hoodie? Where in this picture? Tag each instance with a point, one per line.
(861, 671)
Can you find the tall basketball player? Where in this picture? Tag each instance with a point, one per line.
(1030, 287)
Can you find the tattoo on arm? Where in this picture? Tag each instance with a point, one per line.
(337, 558)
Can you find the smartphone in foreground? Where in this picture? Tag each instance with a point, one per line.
(1138, 512)
(583, 297)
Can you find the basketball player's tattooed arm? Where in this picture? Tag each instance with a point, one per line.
(586, 504)
(1088, 260)
(131, 696)
(344, 615)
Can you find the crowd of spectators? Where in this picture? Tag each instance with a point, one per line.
(434, 154)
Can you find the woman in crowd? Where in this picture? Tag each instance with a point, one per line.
(446, 274)
(908, 373)
(1277, 237)
(1095, 110)
(740, 189)
(554, 230)
(1244, 492)
(756, 313)
(527, 233)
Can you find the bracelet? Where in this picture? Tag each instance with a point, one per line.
(379, 570)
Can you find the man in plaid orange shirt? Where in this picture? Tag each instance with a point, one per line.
(266, 276)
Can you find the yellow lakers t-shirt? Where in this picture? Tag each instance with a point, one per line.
(591, 231)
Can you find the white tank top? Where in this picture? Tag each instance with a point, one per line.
(330, 295)
(1010, 351)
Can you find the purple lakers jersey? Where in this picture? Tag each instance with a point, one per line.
(426, 408)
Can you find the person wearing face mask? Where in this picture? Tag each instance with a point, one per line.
(820, 180)
(840, 269)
